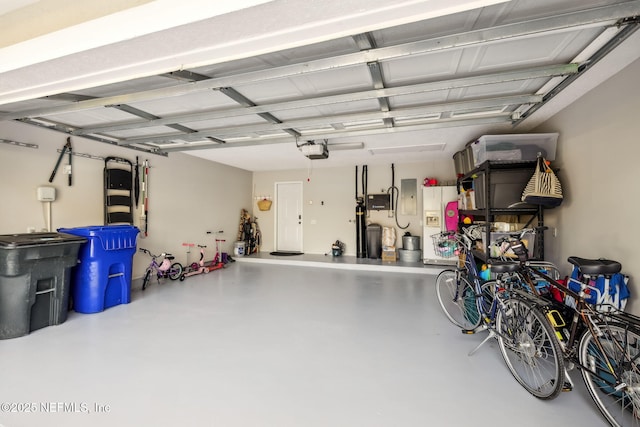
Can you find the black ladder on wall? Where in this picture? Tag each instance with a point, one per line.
(118, 196)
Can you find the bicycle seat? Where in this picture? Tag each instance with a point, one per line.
(169, 257)
(595, 266)
(503, 267)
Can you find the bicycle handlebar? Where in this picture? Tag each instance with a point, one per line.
(163, 254)
(519, 234)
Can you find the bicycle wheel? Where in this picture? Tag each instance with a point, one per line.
(613, 375)
(457, 299)
(488, 294)
(145, 281)
(530, 348)
(175, 271)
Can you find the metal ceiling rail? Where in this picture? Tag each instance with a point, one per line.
(627, 28)
(444, 123)
(17, 143)
(62, 128)
(225, 132)
(71, 97)
(558, 23)
(367, 42)
(246, 102)
(462, 82)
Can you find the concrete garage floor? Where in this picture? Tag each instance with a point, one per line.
(265, 344)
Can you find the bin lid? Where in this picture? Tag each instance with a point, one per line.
(10, 241)
(101, 230)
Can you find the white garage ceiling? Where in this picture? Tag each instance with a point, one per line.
(383, 84)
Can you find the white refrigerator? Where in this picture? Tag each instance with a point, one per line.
(438, 212)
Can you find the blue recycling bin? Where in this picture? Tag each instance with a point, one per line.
(102, 278)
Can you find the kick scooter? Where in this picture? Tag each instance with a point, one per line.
(196, 267)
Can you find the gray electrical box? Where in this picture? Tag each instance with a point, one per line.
(379, 202)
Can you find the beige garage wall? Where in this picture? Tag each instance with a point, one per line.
(188, 196)
(598, 153)
(334, 220)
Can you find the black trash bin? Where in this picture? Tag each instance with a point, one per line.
(35, 280)
(374, 241)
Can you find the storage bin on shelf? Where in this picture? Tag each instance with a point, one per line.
(514, 147)
(35, 280)
(529, 240)
(102, 279)
(506, 188)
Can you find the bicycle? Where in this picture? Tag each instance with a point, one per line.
(162, 270)
(602, 341)
(475, 305)
(449, 244)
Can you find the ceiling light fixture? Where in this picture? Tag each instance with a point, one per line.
(407, 149)
(346, 146)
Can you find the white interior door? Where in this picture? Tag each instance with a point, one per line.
(289, 216)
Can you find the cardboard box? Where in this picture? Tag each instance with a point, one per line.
(389, 255)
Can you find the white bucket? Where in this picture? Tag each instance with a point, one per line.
(238, 248)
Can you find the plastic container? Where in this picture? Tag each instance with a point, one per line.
(103, 277)
(506, 188)
(514, 147)
(239, 248)
(35, 280)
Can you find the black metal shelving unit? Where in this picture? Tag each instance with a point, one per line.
(489, 212)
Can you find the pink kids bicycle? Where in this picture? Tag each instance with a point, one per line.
(166, 268)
